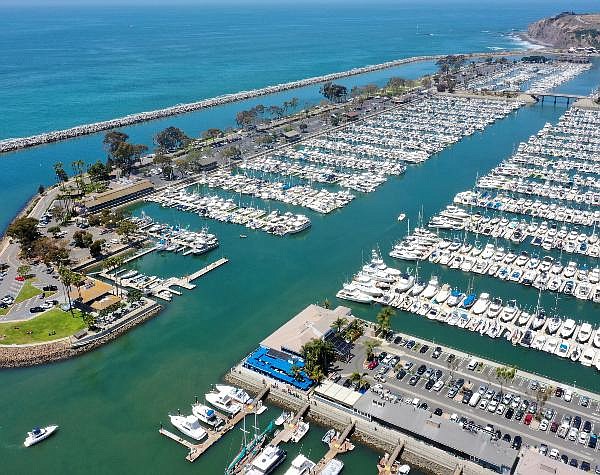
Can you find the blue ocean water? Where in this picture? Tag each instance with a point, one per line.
(63, 66)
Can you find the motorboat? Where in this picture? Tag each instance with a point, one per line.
(207, 415)
(509, 312)
(443, 294)
(404, 469)
(587, 357)
(456, 296)
(236, 394)
(224, 402)
(482, 304)
(283, 417)
(189, 425)
(539, 320)
(418, 288)
(329, 436)
(553, 325)
(267, 461)
(300, 466)
(300, 431)
(596, 340)
(468, 301)
(567, 329)
(405, 282)
(495, 308)
(585, 332)
(401, 217)
(333, 467)
(38, 434)
(432, 288)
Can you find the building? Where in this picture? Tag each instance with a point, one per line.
(279, 366)
(352, 116)
(93, 296)
(312, 322)
(207, 163)
(439, 432)
(291, 136)
(121, 193)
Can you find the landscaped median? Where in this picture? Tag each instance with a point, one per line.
(51, 325)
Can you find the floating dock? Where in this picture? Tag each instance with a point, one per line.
(387, 465)
(337, 446)
(196, 450)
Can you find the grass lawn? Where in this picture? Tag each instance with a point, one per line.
(27, 291)
(55, 320)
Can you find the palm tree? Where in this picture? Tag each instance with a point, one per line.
(358, 379)
(370, 345)
(113, 263)
(384, 319)
(67, 278)
(296, 372)
(339, 323)
(318, 353)
(504, 374)
(316, 375)
(326, 304)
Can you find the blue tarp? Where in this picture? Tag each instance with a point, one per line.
(264, 362)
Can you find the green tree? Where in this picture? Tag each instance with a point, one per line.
(111, 143)
(88, 319)
(112, 264)
(127, 228)
(384, 319)
(78, 167)
(51, 250)
(505, 374)
(212, 134)
(25, 231)
(83, 238)
(232, 153)
(96, 248)
(358, 379)
(171, 139)
(296, 372)
(370, 346)
(61, 174)
(67, 277)
(98, 172)
(23, 270)
(339, 323)
(334, 92)
(134, 295)
(318, 353)
(41, 189)
(127, 154)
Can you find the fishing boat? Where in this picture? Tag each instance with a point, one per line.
(189, 425)
(38, 434)
(207, 415)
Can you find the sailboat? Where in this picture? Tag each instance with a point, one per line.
(249, 449)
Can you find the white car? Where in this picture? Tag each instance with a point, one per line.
(568, 395)
(583, 437)
(544, 424)
(573, 434)
(438, 385)
(500, 410)
(492, 406)
(483, 404)
(554, 454)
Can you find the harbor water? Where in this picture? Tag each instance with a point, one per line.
(109, 403)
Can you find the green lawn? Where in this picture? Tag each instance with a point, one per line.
(27, 291)
(55, 320)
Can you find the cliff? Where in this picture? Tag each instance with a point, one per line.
(567, 30)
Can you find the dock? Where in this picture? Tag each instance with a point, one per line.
(207, 269)
(387, 464)
(196, 450)
(285, 434)
(337, 446)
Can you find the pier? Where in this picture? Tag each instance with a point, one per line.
(386, 465)
(338, 446)
(196, 450)
(286, 433)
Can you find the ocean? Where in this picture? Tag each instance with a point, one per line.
(66, 66)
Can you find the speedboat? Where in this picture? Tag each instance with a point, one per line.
(539, 320)
(300, 430)
(329, 436)
(585, 332)
(38, 434)
(207, 415)
(282, 418)
(223, 402)
(482, 304)
(587, 357)
(267, 460)
(432, 288)
(333, 467)
(236, 394)
(401, 217)
(189, 425)
(495, 308)
(567, 329)
(300, 466)
(443, 294)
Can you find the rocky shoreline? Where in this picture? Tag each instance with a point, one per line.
(19, 356)
(566, 30)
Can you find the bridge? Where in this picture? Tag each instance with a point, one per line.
(555, 95)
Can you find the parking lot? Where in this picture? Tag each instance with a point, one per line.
(466, 390)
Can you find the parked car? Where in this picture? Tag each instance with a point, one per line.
(517, 441)
(437, 352)
(528, 419)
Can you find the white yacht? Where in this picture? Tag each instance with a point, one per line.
(236, 394)
(443, 294)
(333, 467)
(432, 288)
(300, 466)
(300, 431)
(587, 357)
(567, 329)
(585, 332)
(223, 402)
(189, 425)
(206, 415)
(38, 434)
(482, 304)
(267, 460)
(283, 417)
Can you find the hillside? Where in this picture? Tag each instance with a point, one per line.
(567, 30)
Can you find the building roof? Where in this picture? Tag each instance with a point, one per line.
(437, 429)
(534, 463)
(291, 134)
(105, 302)
(278, 365)
(91, 290)
(337, 393)
(205, 161)
(312, 322)
(117, 193)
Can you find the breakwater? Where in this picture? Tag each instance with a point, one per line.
(13, 144)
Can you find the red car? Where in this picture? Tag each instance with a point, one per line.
(528, 419)
(20, 278)
(373, 364)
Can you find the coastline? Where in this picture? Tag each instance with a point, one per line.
(18, 143)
